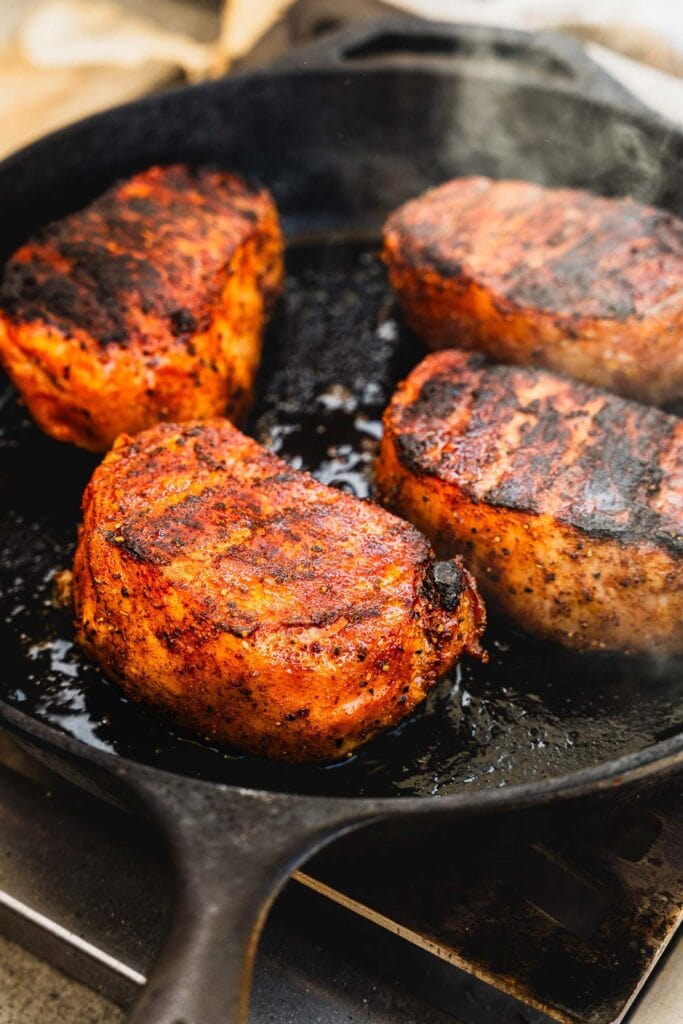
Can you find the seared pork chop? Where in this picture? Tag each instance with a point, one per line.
(256, 606)
(559, 278)
(565, 501)
(147, 305)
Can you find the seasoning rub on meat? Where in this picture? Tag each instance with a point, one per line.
(256, 606)
(559, 278)
(565, 501)
(147, 305)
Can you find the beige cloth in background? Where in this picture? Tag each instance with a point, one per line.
(63, 59)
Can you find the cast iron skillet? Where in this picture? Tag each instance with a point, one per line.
(341, 135)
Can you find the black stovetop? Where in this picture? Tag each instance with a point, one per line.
(520, 918)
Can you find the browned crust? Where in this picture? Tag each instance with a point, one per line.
(559, 278)
(146, 305)
(255, 605)
(566, 502)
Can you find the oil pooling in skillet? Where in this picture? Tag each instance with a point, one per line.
(335, 351)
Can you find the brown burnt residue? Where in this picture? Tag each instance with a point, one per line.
(63, 588)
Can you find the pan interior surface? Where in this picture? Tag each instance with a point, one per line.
(334, 352)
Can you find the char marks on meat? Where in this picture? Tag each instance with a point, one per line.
(256, 606)
(565, 501)
(147, 305)
(560, 278)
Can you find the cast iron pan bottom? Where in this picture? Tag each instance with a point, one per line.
(335, 350)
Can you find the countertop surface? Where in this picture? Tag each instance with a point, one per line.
(32, 992)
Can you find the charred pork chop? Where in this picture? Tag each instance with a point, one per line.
(565, 501)
(147, 305)
(559, 278)
(255, 605)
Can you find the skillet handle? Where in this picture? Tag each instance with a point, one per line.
(513, 57)
(232, 851)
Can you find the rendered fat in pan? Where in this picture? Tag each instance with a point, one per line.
(311, 138)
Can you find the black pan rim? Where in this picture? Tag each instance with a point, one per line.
(667, 755)
(645, 117)
(658, 757)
